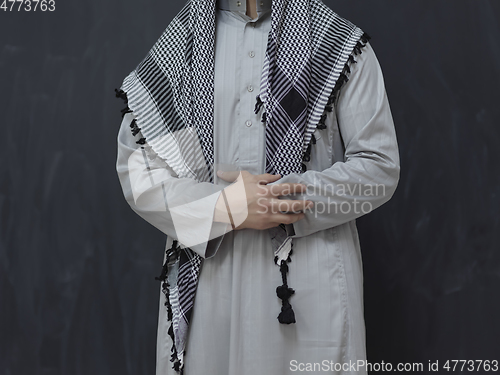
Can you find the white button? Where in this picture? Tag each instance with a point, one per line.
(248, 123)
(250, 88)
(251, 54)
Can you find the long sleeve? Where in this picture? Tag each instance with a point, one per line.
(367, 173)
(180, 207)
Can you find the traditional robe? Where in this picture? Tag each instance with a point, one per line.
(354, 168)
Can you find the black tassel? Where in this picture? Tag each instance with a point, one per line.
(331, 98)
(287, 315)
(258, 105)
(343, 77)
(135, 131)
(313, 139)
(177, 366)
(141, 141)
(164, 271)
(307, 154)
(321, 124)
(358, 48)
(264, 117)
(365, 38)
(122, 95)
(284, 292)
(125, 110)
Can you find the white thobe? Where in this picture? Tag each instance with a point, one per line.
(354, 168)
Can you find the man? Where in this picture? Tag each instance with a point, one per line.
(229, 92)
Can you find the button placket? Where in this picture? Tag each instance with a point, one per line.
(250, 140)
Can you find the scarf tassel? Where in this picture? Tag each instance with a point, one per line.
(307, 154)
(321, 124)
(361, 44)
(134, 127)
(123, 95)
(287, 315)
(258, 104)
(125, 110)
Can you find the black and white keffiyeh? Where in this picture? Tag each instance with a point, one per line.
(171, 93)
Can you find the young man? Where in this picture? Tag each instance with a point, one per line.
(254, 131)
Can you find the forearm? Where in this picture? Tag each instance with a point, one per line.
(181, 208)
(367, 173)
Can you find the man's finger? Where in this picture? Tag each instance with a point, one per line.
(287, 218)
(230, 176)
(280, 190)
(267, 178)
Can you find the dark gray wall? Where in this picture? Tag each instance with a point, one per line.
(77, 267)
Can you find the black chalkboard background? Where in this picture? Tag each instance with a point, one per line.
(77, 267)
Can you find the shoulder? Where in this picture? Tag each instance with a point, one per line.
(366, 81)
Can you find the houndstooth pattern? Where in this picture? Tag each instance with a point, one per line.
(308, 47)
(171, 94)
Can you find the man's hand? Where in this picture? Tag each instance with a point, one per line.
(254, 204)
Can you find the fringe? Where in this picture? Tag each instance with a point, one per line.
(123, 95)
(133, 125)
(258, 104)
(343, 79)
(125, 110)
(172, 255)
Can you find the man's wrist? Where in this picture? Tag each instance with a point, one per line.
(220, 213)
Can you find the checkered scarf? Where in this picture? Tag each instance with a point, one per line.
(171, 93)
